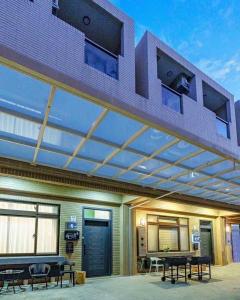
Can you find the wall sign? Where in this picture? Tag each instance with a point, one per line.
(71, 235)
(196, 237)
(71, 225)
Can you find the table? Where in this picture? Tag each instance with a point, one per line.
(9, 277)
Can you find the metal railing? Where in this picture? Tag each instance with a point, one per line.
(222, 127)
(172, 99)
(101, 59)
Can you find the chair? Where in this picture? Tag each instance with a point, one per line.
(63, 271)
(38, 271)
(155, 262)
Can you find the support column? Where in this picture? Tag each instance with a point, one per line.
(221, 254)
(127, 241)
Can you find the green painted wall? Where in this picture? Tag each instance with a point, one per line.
(75, 209)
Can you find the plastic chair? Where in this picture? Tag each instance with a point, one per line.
(156, 263)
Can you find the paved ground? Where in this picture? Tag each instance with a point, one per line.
(225, 285)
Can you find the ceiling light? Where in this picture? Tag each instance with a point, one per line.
(86, 20)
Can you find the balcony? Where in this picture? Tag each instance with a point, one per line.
(222, 127)
(172, 99)
(101, 59)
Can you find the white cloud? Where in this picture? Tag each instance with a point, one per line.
(225, 71)
(220, 69)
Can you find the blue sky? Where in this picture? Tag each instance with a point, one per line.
(206, 32)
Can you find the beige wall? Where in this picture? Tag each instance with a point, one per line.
(75, 209)
(221, 253)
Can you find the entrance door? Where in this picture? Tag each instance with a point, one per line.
(97, 248)
(206, 239)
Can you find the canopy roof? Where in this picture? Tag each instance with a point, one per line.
(43, 124)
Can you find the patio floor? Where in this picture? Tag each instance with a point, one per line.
(225, 285)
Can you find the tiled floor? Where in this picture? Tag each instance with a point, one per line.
(225, 285)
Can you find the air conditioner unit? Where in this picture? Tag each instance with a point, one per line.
(55, 4)
(181, 84)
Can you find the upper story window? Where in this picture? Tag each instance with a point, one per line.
(102, 30)
(220, 106)
(175, 78)
(28, 228)
(101, 59)
(171, 98)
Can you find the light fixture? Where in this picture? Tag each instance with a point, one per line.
(228, 229)
(86, 20)
(142, 222)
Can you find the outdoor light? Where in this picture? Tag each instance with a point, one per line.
(228, 229)
(142, 222)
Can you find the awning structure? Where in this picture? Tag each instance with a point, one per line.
(45, 125)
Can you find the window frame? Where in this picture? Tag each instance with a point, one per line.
(32, 214)
(169, 226)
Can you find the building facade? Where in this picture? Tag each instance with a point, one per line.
(128, 143)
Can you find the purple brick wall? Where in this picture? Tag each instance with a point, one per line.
(31, 36)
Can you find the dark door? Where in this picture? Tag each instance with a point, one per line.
(97, 248)
(206, 242)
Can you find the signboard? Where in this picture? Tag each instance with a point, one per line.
(71, 235)
(71, 225)
(196, 237)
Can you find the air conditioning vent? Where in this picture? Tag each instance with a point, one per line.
(181, 84)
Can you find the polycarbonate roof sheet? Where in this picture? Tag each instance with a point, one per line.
(46, 125)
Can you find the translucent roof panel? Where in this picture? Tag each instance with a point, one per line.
(236, 180)
(51, 158)
(16, 151)
(219, 167)
(207, 182)
(22, 93)
(219, 186)
(73, 112)
(125, 158)
(151, 140)
(150, 181)
(231, 175)
(150, 165)
(60, 140)
(171, 171)
(117, 128)
(200, 159)
(178, 151)
(19, 129)
(95, 150)
(235, 191)
(183, 188)
(81, 165)
(192, 176)
(107, 171)
(129, 176)
(170, 185)
(196, 192)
